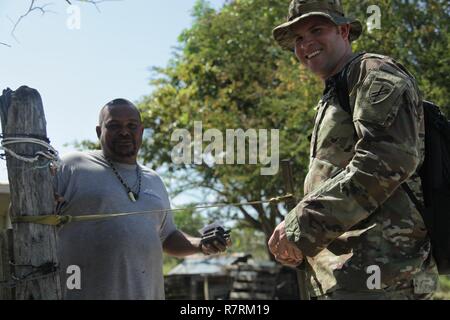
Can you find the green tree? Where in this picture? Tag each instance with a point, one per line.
(229, 73)
(189, 221)
(444, 292)
(249, 241)
(415, 32)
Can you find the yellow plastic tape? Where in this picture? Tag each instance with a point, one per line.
(58, 220)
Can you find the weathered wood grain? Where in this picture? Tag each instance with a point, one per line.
(31, 194)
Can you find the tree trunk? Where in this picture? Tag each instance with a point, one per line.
(31, 195)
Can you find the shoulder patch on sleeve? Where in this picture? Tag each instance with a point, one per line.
(379, 98)
(380, 91)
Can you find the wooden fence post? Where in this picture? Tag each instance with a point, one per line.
(5, 272)
(31, 191)
(301, 271)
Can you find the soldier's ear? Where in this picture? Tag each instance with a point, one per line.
(99, 131)
(344, 30)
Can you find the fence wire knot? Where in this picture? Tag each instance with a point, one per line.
(49, 154)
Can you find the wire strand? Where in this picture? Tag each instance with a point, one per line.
(50, 154)
(58, 220)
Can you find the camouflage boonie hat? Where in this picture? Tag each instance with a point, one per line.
(301, 9)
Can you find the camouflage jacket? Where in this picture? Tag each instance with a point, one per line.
(355, 219)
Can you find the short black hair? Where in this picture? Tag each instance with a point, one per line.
(117, 102)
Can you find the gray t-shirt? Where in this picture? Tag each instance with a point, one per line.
(119, 258)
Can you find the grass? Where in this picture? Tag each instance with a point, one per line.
(444, 291)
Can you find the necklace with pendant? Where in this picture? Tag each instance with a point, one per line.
(134, 196)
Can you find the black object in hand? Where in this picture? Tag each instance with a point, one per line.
(215, 234)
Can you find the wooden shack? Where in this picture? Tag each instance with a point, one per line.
(230, 277)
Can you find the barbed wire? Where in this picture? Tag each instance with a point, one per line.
(43, 271)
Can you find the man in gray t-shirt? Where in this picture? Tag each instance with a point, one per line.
(117, 258)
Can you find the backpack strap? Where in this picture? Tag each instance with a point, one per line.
(339, 82)
(413, 198)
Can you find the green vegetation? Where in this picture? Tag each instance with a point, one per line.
(444, 291)
(229, 73)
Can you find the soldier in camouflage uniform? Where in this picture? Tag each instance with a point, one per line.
(359, 231)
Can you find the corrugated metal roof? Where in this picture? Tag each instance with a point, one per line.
(200, 264)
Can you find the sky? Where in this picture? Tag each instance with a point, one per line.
(77, 71)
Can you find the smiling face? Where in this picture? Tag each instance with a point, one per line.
(120, 132)
(322, 46)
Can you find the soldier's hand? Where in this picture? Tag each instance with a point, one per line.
(283, 250)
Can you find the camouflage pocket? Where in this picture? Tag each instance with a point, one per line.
(327, 185)
(379, 98)
(425, 283)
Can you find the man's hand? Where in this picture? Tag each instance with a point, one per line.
(215, 247)
(214, 239)
(283, 250)
(58, 203)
